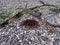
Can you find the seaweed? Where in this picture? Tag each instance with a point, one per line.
(56, 10)
(4, 23)
(19, 14)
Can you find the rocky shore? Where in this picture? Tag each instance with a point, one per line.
(46, 13)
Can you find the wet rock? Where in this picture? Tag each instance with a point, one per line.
(54, 19)
(52, 2)
(6, 15)
(8, 4)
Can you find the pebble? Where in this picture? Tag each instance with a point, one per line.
(36, 13)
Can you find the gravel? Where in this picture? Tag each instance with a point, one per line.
(19, 35)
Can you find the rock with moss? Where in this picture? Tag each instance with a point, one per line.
(7, 14)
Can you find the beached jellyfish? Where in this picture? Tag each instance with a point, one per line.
(29, 23)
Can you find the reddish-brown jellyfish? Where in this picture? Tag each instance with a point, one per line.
(29, 23)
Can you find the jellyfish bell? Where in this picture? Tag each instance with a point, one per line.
(30, 23)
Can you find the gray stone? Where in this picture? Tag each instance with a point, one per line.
(8, 4)
(52, 2)
(54, 19)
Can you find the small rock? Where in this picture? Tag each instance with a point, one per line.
(36, 13)
(32, 38)
(12, 20)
